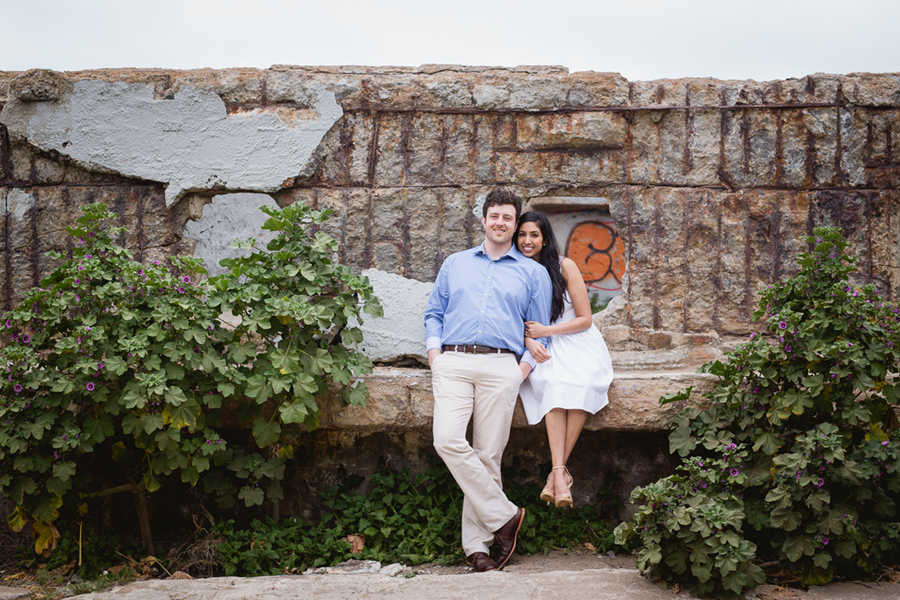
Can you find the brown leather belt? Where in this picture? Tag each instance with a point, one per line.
(475, 349)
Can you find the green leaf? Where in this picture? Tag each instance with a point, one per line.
(251, 496)
(684, 394)
(240, 353)
(294, 412)
(795, 546)
(63, 471)
(266, 433)
(767, 441)
(175, 396)
(257, 388)
(682, 441)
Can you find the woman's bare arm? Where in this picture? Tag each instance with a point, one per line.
(580, 302)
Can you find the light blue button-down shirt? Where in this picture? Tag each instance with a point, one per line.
(477, 300)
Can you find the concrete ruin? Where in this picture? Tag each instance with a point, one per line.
(702, 192)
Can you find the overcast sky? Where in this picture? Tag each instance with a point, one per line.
(641, 39)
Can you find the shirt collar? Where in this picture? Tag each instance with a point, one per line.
(512, 253)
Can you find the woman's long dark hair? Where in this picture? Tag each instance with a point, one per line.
(549, 257)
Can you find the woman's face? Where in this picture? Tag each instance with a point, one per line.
(530, 240)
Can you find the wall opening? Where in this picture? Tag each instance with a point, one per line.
(588, 234)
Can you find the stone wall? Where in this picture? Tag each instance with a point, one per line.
(711, 185)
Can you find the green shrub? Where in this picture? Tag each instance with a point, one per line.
(799, 441)
(117, 371)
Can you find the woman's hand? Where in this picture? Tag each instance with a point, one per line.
(537, 350)
(533, 329)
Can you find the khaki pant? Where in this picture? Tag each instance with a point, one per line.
(482, 388)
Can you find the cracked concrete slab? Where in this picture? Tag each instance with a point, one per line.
(227, 218)
(190, 142)
(401, 331)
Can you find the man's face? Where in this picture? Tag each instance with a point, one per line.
(500, 223)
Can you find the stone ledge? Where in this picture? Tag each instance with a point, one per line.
(401, 400)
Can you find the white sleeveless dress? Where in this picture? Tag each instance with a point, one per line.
(577, 376)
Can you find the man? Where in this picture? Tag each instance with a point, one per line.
(474, 328)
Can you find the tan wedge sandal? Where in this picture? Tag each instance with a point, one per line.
(564, 500)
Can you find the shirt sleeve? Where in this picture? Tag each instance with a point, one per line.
(435, 310)
(539, 304)
(528, 359)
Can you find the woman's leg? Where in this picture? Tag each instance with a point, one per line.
(563, 429)
(556, 422)
(575, 419)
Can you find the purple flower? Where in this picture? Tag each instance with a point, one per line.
(140, 272)
(8, 324)
(80, 268)
(155, 262)
(752, 335)
(855, 294)
(782, 325)
(735, 472)
(88, 256)
(885, 443)
(181, 290)
(699, 463)
(26, 338)
(787, 348)
(17, 387)
(824, 541)
(90, 386)
(77, 281)
(186, 279)
(732, 446)
(99, 365)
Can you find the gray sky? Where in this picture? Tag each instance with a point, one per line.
(641, 39)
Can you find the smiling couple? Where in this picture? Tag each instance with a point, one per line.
(475, 328)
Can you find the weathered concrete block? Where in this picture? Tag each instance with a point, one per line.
(571, 131)
(750, 148)
(426, 215)
(40, 85)
(401, 399)
(822, 126)
(357, 243)
(19, 209)
(871, 89)
(855, 134)
(391, 156)
(459, 149)
(589, 88)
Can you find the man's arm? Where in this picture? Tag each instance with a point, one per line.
(434, 315)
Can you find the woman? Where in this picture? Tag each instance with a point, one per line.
(574, 371)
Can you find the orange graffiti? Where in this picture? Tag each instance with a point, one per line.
(598, 251)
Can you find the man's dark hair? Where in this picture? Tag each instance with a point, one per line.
(499, 198)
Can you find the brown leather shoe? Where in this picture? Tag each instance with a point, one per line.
(482, 562)
(506, 537)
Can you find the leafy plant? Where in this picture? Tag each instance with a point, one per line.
(118, 372)
(403, 519)
(800, 438)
